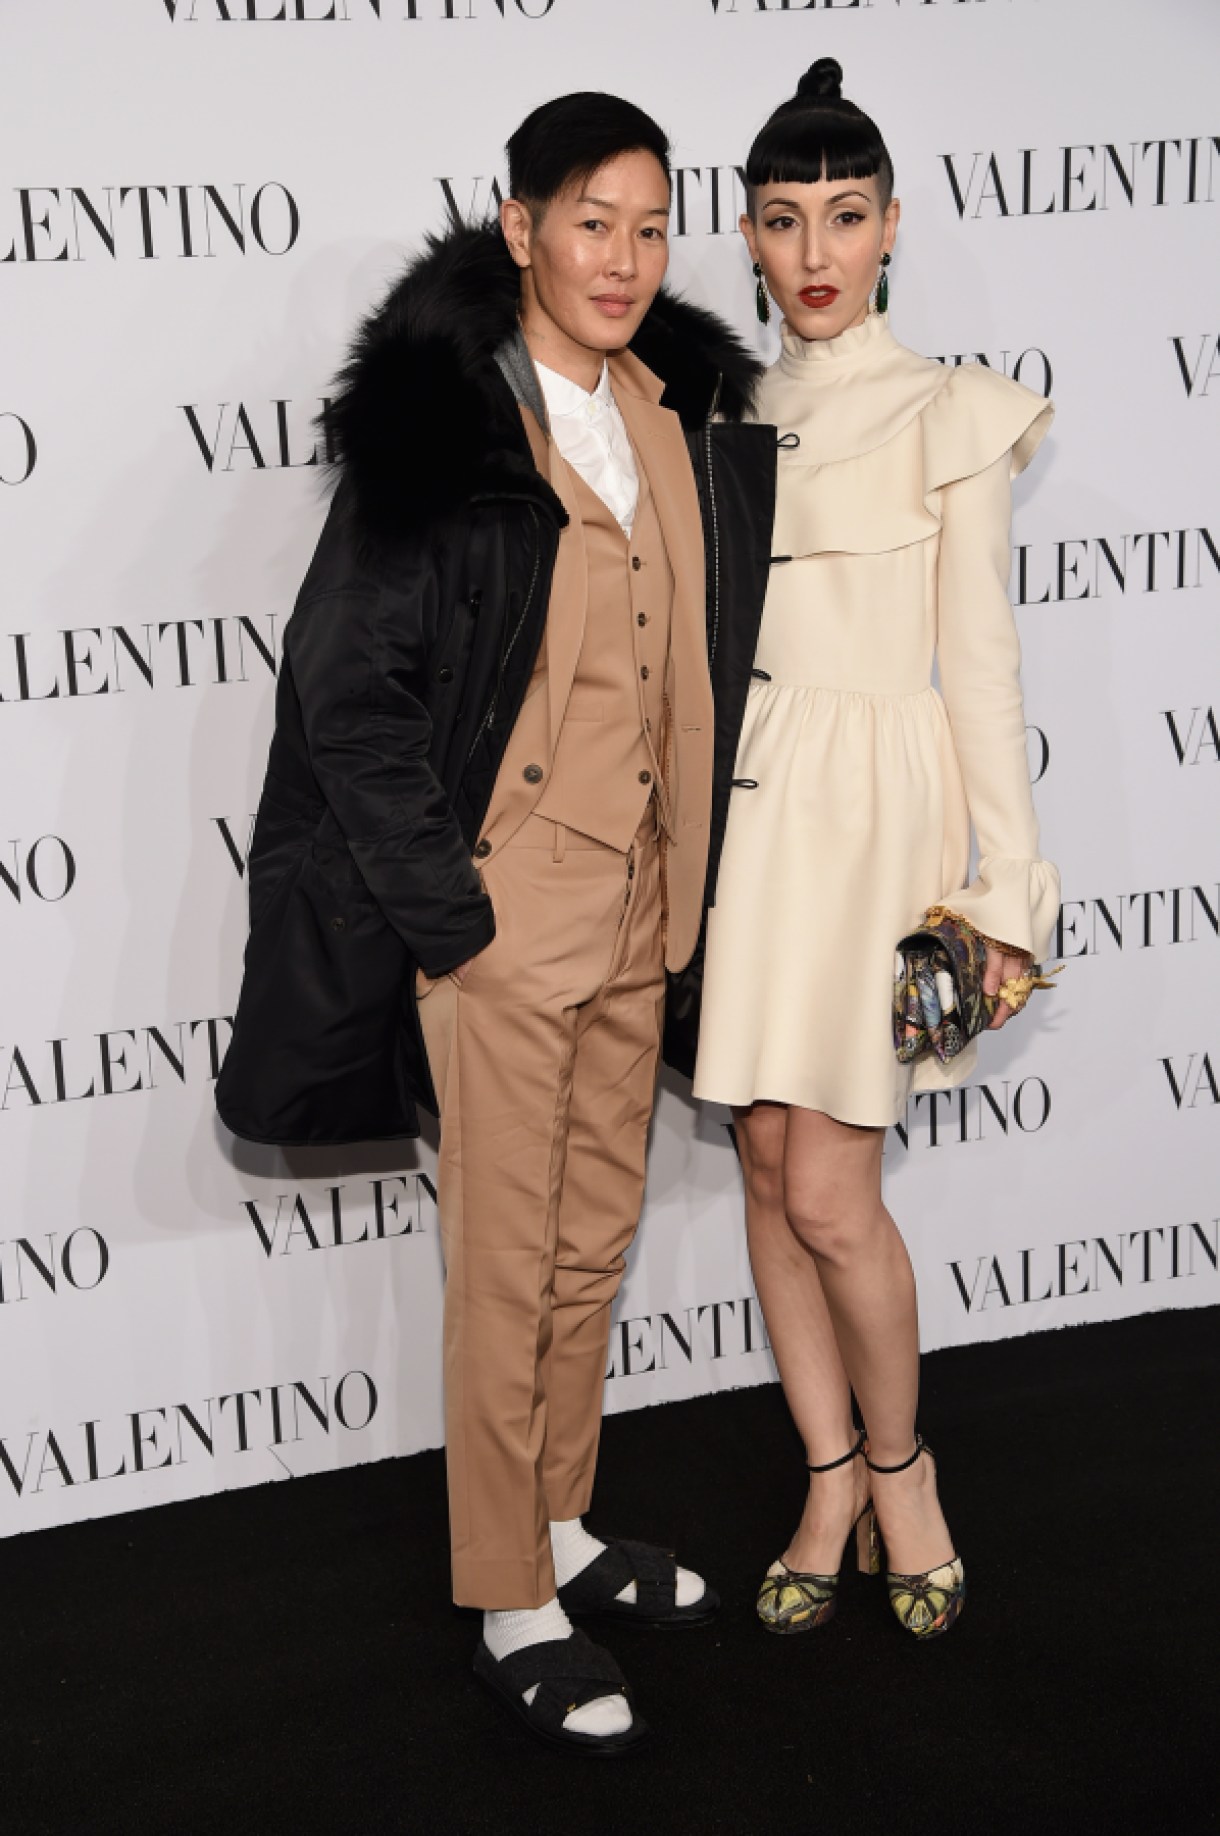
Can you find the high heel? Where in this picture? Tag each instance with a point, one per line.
(927, 1604)
(790, 1601)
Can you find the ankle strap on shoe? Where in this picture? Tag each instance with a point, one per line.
(842, 1459)
(902, 1464)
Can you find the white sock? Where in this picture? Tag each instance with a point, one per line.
(513, 1631)
(573, 1548)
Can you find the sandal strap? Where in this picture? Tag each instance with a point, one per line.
(656, 1577)
(842, 1459)
(653, 1570)
(921, 1446)
(567, 1672)
(598, 1582)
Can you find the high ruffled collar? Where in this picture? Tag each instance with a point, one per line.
(825, 359)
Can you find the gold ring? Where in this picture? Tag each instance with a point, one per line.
(1016, 991)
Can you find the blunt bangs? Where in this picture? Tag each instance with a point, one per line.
(805, 142)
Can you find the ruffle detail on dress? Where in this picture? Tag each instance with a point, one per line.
(865, 505)
(981, 415)
(1012, 902)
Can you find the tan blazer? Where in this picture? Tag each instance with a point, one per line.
(657, 436)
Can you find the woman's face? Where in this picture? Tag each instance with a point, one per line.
(593, 261)
(820, 247)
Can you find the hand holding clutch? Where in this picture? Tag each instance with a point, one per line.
(948, 987)
(1009, 980)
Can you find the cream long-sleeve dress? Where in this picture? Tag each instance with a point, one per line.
(894, 506)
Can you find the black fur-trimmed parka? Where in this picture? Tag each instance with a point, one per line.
(405, 663)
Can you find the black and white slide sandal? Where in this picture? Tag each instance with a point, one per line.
(568, 1673)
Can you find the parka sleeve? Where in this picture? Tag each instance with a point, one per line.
(1014, 898)
(358, 661)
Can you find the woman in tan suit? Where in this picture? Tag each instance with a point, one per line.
(856, 788)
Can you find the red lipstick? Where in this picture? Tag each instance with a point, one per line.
(818, 296)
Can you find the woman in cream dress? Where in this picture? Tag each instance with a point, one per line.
(856, 785)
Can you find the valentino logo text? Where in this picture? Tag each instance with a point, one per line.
(1097, 567)
(109, 659)
(1138, 921)
(46, 868)
(238, 438)
(1060, 1271)
(18, 449)
(718, 1329)
(1031, 367)
(1191, 1081)
(1036, 182)
(80, 1262)
(149, 222)
(975, 1112)
(335, 1220)
(116, 1063)
(1198, 362)
(1195, 736)
(145, 1440)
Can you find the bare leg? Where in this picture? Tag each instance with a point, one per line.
(833, 1207)
(803, 1338)
(832, 1202)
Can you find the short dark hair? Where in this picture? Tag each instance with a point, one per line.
(566, 141)
(819, 134)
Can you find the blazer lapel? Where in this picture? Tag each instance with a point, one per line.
(565, 628)
(658, 438)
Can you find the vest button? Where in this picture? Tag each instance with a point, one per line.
(532, 774)
(482, 850)
(636, 563)
(338, 924)
(641, 618)
(644, 672)
(444, 675)
(645, 777)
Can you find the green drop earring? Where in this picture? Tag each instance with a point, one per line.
(883, 285)
(762, 300)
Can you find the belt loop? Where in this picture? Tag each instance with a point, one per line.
(561, 843)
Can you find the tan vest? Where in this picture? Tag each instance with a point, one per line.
(525, 770)
(607, 762)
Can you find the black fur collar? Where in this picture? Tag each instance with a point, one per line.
(422, 420)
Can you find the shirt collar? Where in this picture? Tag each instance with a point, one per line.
(564, 397)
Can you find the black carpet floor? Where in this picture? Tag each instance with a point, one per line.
(282, 1661)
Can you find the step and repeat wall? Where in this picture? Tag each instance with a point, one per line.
(199, 198)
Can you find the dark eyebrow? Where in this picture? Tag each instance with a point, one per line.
(791, 204)
(657, 210)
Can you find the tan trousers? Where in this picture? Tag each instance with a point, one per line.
(544, 1062)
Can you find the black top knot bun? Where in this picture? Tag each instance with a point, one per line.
(822, 81)
(818, 134)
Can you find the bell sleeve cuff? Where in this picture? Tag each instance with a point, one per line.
(1014, 904)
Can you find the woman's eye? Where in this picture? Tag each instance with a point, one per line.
(654, 234)
(850, 216)
(593, 223)
(779, 223)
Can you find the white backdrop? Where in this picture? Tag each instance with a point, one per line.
(198, 201)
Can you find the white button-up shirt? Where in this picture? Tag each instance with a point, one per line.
(590, 434)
